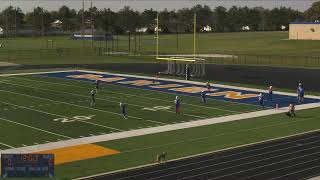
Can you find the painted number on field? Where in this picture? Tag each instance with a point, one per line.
(74, 118)
(157, 108)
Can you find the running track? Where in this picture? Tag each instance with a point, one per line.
(291, 158)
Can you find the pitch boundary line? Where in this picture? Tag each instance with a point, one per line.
(206, 107)
(57, 115)
(198, 155)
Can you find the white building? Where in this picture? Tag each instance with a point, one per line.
(142, 30)
(1, 31)
(207, 28)
(245, 28)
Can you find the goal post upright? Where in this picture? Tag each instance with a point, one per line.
(157, 37)
(194, 35)
(178, 65)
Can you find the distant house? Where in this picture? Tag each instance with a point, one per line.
(206, 28)
(245, 28)
(56, 24)
(1, 31)
(142, 30)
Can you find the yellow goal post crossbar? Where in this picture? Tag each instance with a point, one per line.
(194, 59)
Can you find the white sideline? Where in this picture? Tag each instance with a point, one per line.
(164, 79)
(202, 83)
(152, 130)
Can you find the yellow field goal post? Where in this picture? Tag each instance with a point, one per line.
(178, 65)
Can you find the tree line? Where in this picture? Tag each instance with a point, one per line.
(127, 20)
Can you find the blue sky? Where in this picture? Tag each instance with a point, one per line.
(140, 5)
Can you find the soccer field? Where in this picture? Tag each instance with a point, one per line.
(46, 109)
(50, 113)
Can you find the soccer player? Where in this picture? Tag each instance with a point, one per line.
(177, 103)
(301, 93)
(209, 87)
(93, 98)
(270, 92)
(203, 97)
(188, 72)
(260, 100)
(291, 111)
(97, 84)
(123, 110)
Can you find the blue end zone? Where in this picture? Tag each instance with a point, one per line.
(281, 100)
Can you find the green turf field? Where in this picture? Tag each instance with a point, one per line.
(45, 106)
(38, 110)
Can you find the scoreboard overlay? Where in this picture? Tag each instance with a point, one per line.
(27, 165)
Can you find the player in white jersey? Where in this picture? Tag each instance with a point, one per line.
(93, 98)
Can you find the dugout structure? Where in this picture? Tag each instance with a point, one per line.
(180, 65)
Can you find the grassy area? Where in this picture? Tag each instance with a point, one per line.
(46, 99)
(138, 151)
(250, 48)
(29, 105)
(253, 43)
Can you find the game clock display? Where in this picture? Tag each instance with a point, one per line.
(27, 165)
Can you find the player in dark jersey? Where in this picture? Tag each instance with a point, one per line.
(177, 103)
(291, 111)
(261, 100)
(208, 87)
(93, 98)
(97, 85)
(123, 110)
(203, 97)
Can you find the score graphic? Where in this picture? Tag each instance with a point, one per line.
(27, 165)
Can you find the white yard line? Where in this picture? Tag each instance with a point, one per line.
(6, 145)
(132, 95)
(78, 106)
(57, 115)
(201, 83)
(153, 130)
(74, 94)
(164, 79)
(21, 124)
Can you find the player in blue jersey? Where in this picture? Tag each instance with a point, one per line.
(123, 110)
(261, 100)
(177, 103)
(270, 93)
(208, 87)
(97, 85)
(203, 97)
(93, 98)
(301, 93)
